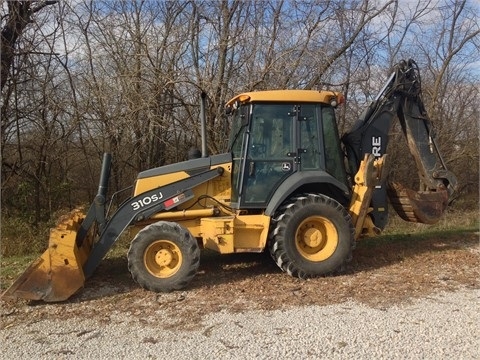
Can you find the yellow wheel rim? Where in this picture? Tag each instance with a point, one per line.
(316, 238)
(162, 258)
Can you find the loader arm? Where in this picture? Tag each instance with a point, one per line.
(401, 98)
(138, 209)
(80, 241)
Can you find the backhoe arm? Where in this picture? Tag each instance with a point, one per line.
(400, 98)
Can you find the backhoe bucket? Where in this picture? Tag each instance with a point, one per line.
(418, 206)
(57, 273)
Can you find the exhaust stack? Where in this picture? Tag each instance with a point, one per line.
(203, 121)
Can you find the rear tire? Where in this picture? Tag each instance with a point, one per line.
(312, 235)
(163, 257)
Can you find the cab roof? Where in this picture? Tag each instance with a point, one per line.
(313, 96)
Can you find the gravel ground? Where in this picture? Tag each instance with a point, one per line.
(440, 326)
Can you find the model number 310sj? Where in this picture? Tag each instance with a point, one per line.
(145, 201)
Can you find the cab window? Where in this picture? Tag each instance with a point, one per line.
(333, 154)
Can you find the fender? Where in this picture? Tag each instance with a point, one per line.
(297, 180)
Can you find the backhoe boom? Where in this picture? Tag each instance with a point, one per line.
(401, 99)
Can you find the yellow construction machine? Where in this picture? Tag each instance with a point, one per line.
(288, 184)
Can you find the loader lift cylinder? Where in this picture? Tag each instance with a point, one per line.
(104, 176)
(96, 212)
(103, 189)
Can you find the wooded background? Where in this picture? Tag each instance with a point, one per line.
(81, 77)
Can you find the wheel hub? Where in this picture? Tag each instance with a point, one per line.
(163, 257)
(312, 237)
(316, 238)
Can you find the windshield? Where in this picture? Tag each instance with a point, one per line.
(236, 147)
(239, 124)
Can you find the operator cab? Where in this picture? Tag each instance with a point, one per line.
(276, 134)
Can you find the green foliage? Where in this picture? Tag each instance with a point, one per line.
(19, 237)
(11, 267)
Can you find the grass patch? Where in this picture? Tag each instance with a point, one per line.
(414, 239)
(451, 220)
(14, 264)
(20, 238)
(11, 267)
(452, 225)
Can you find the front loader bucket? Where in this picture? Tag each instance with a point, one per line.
(417, 206)
(57, 273)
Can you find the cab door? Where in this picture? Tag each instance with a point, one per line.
(271, 152)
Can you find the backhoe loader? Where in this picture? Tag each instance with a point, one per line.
(289, 184)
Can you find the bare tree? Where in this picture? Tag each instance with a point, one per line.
(126, 77)
(20, 14)
(351, 21)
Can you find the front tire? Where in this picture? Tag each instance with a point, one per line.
(163, 257)
(312, 235)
